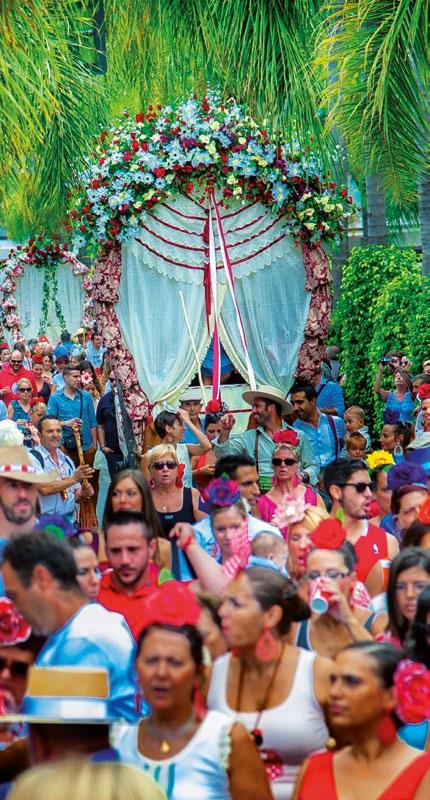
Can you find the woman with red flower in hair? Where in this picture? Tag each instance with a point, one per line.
(330, 576)
(286, 483)
(374, 690)
(191, 752)
(203, 465)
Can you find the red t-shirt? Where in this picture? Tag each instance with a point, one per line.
(112, 597)
(8, 378)
(370, 548)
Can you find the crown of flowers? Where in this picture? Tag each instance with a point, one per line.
(379, 458)
(223, 492)
(172, 603)
(13, 627)
(189, 146)
(329, 535)
(424, 391)
(291, 509)
(412, 691)
(286, 436)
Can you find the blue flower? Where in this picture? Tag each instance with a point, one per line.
(279, 192)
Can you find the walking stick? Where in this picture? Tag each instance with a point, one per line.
(87, 514)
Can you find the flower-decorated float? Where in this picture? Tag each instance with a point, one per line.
(44, 290)
(197, 203)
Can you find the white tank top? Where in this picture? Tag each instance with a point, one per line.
(198, 772)
(293, 730)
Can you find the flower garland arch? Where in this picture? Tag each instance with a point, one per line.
(44, 253)
(194, 147)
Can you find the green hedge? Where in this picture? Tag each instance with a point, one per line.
(367, 325)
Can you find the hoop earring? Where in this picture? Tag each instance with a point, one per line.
(266, 646)
(398, 451)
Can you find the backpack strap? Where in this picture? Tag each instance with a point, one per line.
(334, 432)
(38, 456)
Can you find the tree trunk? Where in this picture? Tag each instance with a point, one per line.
(425, 220)
(377, 231)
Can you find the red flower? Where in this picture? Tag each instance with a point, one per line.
(424, 391)
(343, 193)
(135, 145)
(172, 603)
(213, 407)
(424, 511)
(82, 228)
(13, 627)
(189, 188)
(332, 185)
(286, 436)
(159, 172)
(95, 183)
(103, 136)
(412, 688)
(140, 117)
(329, 535)
(127, 156)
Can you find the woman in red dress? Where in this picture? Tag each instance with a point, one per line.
(373, 690)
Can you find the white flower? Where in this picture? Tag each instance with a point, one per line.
(231, 179)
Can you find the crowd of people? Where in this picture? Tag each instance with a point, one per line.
(238, 615)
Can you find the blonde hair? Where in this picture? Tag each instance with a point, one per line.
(80, 779)
(160, 451)
(285, 446)
(313, 516)
(25, 380)
(38, 407)
(357, 410)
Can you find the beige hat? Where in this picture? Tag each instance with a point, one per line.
(16, 464)
(265, 392)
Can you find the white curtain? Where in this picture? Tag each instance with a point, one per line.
(29, 296)
(169, 255)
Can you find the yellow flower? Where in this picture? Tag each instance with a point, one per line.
(241, 140)
(237, 190)
(328, 208)
(339, 206)
(148, 195)
(309, 212)
(211, 149)
(231, 179)
(379, 458)
(306, 195)
(215, 126)
(324, 200)
(310, 225)
(204, 139)
(262, 162)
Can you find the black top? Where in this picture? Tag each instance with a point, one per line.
(105, 415)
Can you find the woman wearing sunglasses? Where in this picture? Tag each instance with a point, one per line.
(286, 480)
(173, 501)
(20, 409)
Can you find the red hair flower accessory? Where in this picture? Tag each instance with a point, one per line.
(286, 436)
(223, 492)
(412, 688)
(35, 400)
(424, 511)
(213, 407)
(179, 482)
(13, 627)
(172, 603)
(424, 391)
(329, 535)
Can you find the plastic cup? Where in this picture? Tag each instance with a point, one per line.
(319, 599)
(385, 566)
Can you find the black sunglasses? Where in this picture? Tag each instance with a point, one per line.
(14, 361)
(24, 389)
(361, 486)
(17, 669)
(160, 464)
(287, 461)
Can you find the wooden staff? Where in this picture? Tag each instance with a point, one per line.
(87, 514)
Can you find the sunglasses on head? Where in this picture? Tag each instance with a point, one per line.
(160, 464)
(17, 669)
(360, 487)
(287, 461)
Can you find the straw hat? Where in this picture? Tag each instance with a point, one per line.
(192, 393)
(265, 392)
(65, 695)
(16, 464)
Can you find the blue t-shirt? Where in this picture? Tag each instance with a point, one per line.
(68, 408)
(404, 407)
(330, 396)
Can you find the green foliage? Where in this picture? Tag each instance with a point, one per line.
(418, 327)
(365, 275)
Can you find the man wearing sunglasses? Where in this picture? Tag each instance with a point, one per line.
(10, 375)
(348, 484)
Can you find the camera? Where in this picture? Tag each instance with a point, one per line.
(386, 360)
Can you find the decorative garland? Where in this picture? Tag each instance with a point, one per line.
(192, 147)
(42, 253)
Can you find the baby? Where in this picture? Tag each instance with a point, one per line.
(354, 422)
(355, 445)
(268, 550)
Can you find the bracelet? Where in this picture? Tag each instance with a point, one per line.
(189, 540)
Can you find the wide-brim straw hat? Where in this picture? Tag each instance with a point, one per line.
(65, 696)
(265, 392)
(16, 464)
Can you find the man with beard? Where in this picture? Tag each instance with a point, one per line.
(10, 375)
(130, 545)
(268, 407)
(350, 488)
(19, 482)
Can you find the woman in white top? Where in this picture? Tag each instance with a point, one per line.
(277, 690)
(193, 755)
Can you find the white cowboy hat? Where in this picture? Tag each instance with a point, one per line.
(192, 393)
(265, 392)
(16, 464)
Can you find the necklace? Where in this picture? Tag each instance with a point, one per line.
(256, 732)
(174, 733)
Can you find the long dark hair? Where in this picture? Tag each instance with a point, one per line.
(417, 645)
(270, 588)
(412, 557)
(147, 502)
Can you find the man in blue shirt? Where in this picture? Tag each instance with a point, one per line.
(95, 351)
(39, 573)
(74, 406)
(191, 401)
(324, 432)
(329, 396)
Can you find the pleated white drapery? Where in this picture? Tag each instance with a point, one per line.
(29, 297)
